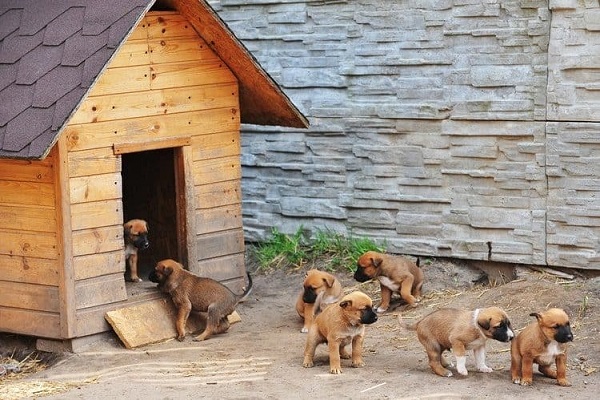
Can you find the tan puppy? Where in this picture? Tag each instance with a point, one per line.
(395, 274)
(136, 237)
(190, 292)
(459, 331)
(320, 290)
(338, 325)
(543, 342)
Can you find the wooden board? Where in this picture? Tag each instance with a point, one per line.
(151, 322)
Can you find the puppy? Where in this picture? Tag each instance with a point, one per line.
(320, 290)
(190, 292)
(394, 274)
(543, 342)
(338, 325)
(459, 331)
(136, 237)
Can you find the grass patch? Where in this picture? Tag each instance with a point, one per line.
(334, 250)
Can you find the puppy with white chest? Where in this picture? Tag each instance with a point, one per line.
(338, 325)
(544, 343)
(395, 274)
(319, 290)
(136, 238)
(459, 331)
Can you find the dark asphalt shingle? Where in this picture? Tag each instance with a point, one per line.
(51, 52)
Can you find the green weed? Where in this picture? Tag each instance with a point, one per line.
(333, 250)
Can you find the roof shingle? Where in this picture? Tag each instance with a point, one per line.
(51, 52)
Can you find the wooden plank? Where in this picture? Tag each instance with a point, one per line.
(96, 214)
(169, 50)
(29, 244)
(218, 194)
(93, 161)
(26, 171)
(100, 290)
(64, 240)
(123, 80)
(28, 296)
(37, 219)
(37, 194)
(30, 322)
(185, 172)
(156, 103)
(220, 244)
(152, 322)
(217, 170)
(229, 269)
(217, 145)
(167, 24)
(140, 32)
(95, 188)
(99, 240)
(190, 73)
(29, 270)
(105, 134)
(145, 145)
(93, 265)
(219, 218)
(132, 53)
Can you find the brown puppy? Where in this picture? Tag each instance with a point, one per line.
(338, 325)
(136, 237)
(543, 342)
(459, 331)
(395, 274)
(320, 290)
(190, 292)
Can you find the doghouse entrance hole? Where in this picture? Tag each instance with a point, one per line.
(150, 193)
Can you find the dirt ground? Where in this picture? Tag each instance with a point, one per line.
(261, 356)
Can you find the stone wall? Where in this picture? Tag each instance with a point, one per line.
(466, 129)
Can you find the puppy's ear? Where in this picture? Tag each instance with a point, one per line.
(168, 270)
(127, 228)
(376, 261)
(329, 281)
(146, 226)
(346, 303)
(484, 324)
(538, 316)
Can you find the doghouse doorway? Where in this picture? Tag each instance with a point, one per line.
(152, 183)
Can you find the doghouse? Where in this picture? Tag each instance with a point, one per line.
(111, 110)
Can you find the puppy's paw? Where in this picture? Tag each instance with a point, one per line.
(463, 371)
(564, 382)
(181, 338)
(485, 368)
(525, 382)
(308, 364)
(134, 279)
(516, 381)
(335, 370)
(357, 364)
(381, 310)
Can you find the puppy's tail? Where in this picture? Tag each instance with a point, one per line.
(406, 325)
(247, 290)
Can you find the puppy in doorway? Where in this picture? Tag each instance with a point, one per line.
(136, 238)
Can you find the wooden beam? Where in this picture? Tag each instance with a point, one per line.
(134, 147)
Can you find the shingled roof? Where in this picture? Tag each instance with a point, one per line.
(52, 52)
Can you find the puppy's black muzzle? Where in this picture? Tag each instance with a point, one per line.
(501, 333)
(360, 276)
(141, 242)
(368, 316)
(153, 277)
(309, 296)
(563, 334)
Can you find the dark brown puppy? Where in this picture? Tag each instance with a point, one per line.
(319, 290)
(459, 331)
(338, 325)
(136, 237)
(543, 342)
(190, 292)
(395, 274)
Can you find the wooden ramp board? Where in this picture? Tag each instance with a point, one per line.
(152, 322)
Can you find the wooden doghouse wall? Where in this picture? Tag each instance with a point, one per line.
(164, 88)
(29, 248)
